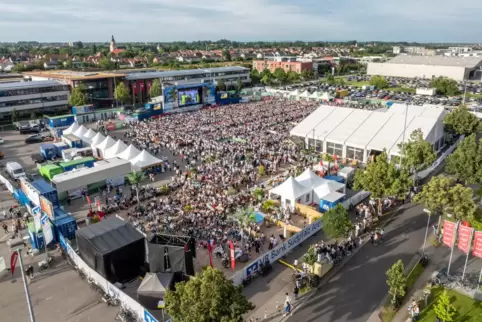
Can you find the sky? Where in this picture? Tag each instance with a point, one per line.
(241, 20)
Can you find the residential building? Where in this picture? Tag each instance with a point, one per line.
(414, 50)
(286, 63)
(37, 96)
(99, 86)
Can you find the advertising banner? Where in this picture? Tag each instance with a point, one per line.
(465, 236)
(36, 218)
(233, 258)
(449, 233)
(477, 244)
(13, 261)
(29, 191)
(47, 230)
(47, 207)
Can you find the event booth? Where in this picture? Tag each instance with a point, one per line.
(100, 148)
(144, 161)
(113, 248)
(130, 153)
(292, 192)
(114, 150)
(153, 288)
(71, 129)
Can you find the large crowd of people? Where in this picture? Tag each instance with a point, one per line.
(222, 150)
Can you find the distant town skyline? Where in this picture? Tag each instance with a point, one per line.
(435, 21)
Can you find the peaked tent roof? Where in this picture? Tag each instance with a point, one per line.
(107, 143)
(309, 179)
(97, 139)
(130, 153)
(315, 95)
(114, 150)
(327, 187)
(155, 283)
(304, 94)
(80, 132)
(290, 189)
(326, 96)
(71, 129)
(295, 93)
(90, 134)
(144, 159)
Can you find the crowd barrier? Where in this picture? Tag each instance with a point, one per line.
(423, 174)
(125, 300)
(277, 252)
(7, 184)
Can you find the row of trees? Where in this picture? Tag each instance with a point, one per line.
(80, 97)
(279, 76)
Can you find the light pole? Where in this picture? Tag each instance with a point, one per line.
(25, 286)
(429, 213)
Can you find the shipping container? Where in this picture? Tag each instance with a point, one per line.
(37, 238)
(48, 151)
(59, 147)
(61, 121)
(64, 224)
(50, 170)
(47, 191)
(79, 163)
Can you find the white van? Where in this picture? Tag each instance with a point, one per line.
(15, 170)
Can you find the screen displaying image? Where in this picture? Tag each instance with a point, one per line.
(188, 97)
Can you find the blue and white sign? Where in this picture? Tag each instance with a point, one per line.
(47, 230)
(36, 218)
(148, 317)
(284, 248)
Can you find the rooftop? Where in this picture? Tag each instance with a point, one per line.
(185, 72)
(72, 75)
(33, 84)
(467, 62)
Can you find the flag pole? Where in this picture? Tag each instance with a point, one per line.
(468, 251)
(452, 251)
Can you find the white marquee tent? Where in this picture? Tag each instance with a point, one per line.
(296, 92)
(144, 160)
(90, 134)
(71, 129)
(305, 94)
(114, 150)
(80, 132)
(326, 188)
(97, 139)
(309, 179)
(291, 192)
(104, 145)
(130, 153)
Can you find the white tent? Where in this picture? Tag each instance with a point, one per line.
(71, 129)
(295, 93)
(97, 139)
(80, 132)
(309, 179)
(104, 145)
(90, 134)
(130, 153)
(114, 150)
(305, 94)
(144, 160)
(328, 187)
(315, 95)
(291, 191)
(326, 97)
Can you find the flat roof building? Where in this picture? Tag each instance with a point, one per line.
(357, 134)
(42, 97)
(457, 68)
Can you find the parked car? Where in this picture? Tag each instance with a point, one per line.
(2, 141)
(37, 158)
(34, 139)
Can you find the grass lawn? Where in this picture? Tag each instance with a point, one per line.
(359, 84)
(414, 275)
(468, 310)
(402, 89)
(474, 95)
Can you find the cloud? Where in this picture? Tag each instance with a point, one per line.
(168, 20)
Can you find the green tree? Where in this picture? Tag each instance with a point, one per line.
(135, 179)
(461, 121)
(465, 162)
(156, 89)
(307, 74)
(266, 80)
(78, 97)
(13, 114)
(207, 297)
(239, 85)
(261, 170)
(121, 93)
(381, 178)
(68, 64)
(292, 76)
(444, 309)
(331, 79)
(416, 154)
(336, 222)
(379, 82)
(221, 85)
(94, 50)
(255, 76)
(396, 281)
(226, 55)
(340, 81)
(106, 63)
(445, 86)
(280, 75)
(258, 194)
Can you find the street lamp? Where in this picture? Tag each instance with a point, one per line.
(18, 249)
(428, 212)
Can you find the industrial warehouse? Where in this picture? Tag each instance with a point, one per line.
(457, 68)
(358, 135)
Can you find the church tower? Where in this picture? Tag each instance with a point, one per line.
(113, 45)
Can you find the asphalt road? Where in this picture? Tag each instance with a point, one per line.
(360, 286)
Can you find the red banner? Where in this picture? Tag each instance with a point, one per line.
(477, 244)
(149, 84)
(233, 258)
(141, 85)
(449, 233)
(13, 261)
(465, 236)
(134, 88)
